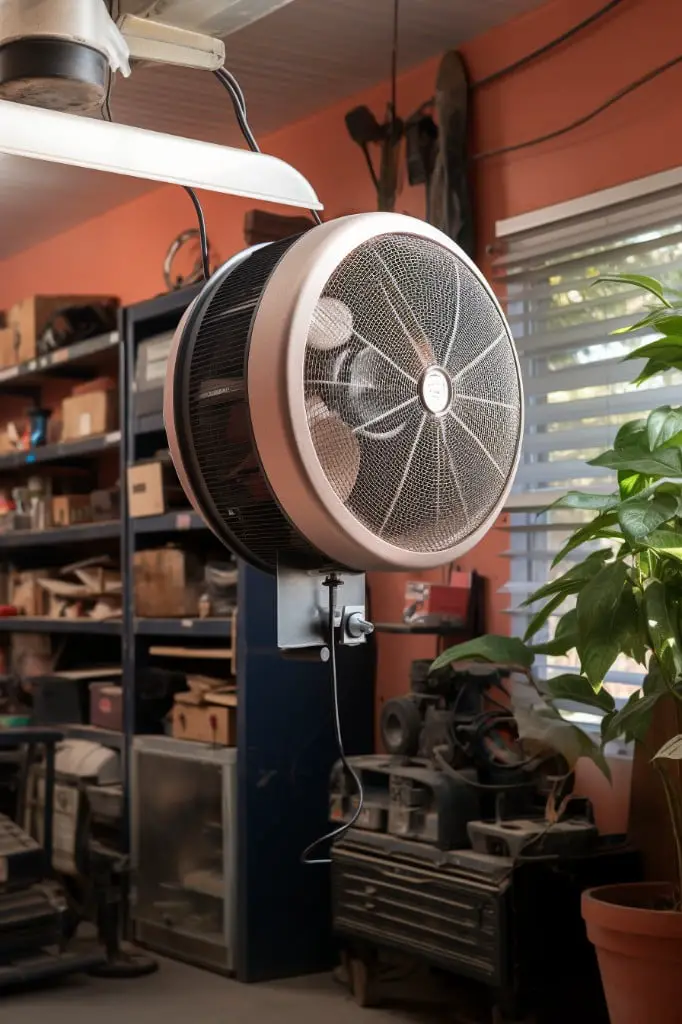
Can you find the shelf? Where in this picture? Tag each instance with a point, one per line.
(150, 424)
(172, 522)
(58, 535)
(402, 628)
(107, 737)
(181, 629)
(58, 359)
(43, 624)
(61, 450)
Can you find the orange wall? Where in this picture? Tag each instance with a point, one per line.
(123, 251)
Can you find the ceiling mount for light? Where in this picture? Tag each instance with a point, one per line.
(59, 55)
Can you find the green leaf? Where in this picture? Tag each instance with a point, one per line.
(540, 617)
(672, 750)
(665, 320)
(630, 484)
(570, 582)
(584, 500)
(649, 284)
(662, 462)
(661, 617)
(638, 516)
(632, 628)
(632, 721)
(502, 650)
(577, 688)
(666, 542)
(632, 434)
(663, 350)
(663, 424)
(652, 369)
(565, 636)
(599, 528)
(598, 633)
(546, 726)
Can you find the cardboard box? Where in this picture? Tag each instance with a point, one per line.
(150, 373)
(106, 706)
(69, 509)
(432, 602)
(86, 415)
(168, 583)
(26, 593)
(29, 318)
(105, 504)
(9, 341)
(153, 488)
(207, 723)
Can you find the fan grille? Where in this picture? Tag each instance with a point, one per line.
(420, 457)
(235, 494)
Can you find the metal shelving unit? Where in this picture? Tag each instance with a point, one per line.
(43, 624)
(181, 629)
(285, 735)
(63, 451)
(84, 533)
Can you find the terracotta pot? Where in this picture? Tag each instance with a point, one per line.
(639, 948)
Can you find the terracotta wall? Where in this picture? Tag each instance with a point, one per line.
(123, 251)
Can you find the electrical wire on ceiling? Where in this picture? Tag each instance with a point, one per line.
(584, 119)
(546, 47)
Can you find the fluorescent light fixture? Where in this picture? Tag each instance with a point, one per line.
(119, 149)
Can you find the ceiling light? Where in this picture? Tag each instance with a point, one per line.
(120, 149)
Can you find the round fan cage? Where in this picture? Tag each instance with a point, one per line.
(348, 397)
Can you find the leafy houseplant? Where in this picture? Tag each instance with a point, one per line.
(628, 601)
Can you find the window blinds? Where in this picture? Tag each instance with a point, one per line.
(577, 386)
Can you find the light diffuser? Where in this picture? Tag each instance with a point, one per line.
(120, 149)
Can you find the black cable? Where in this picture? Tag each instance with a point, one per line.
(546, 47)
(394, 61)
(585, 119)
(236, 94)
(203, 237)
(333, 583)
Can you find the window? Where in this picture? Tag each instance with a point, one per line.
(577, 385)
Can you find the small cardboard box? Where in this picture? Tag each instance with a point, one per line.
(153, 488)
(26, 593)
(29, 318)
(69, 509)
(207, 723)
(86, 415)
(168, 583)
(427, 602)
(106, 706)
(150, 373)
(9, 340)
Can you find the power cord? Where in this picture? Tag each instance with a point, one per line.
(332, 582)
(236, 94)
(203, 237)
(580, 121)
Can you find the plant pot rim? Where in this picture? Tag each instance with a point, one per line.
(623, 908)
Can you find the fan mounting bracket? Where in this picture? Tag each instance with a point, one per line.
(303, 609)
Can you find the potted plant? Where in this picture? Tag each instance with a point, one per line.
(627, 597)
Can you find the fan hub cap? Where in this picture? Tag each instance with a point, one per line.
(435, 390)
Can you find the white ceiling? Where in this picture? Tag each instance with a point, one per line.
(297, 60)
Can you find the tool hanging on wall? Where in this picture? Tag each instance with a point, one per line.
(173, 279)
(437, 153)
(448, 197)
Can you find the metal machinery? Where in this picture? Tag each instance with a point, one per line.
(468, 856)
(30, 894)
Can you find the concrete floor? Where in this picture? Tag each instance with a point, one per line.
(178, 994)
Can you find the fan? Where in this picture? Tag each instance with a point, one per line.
(349, 398)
